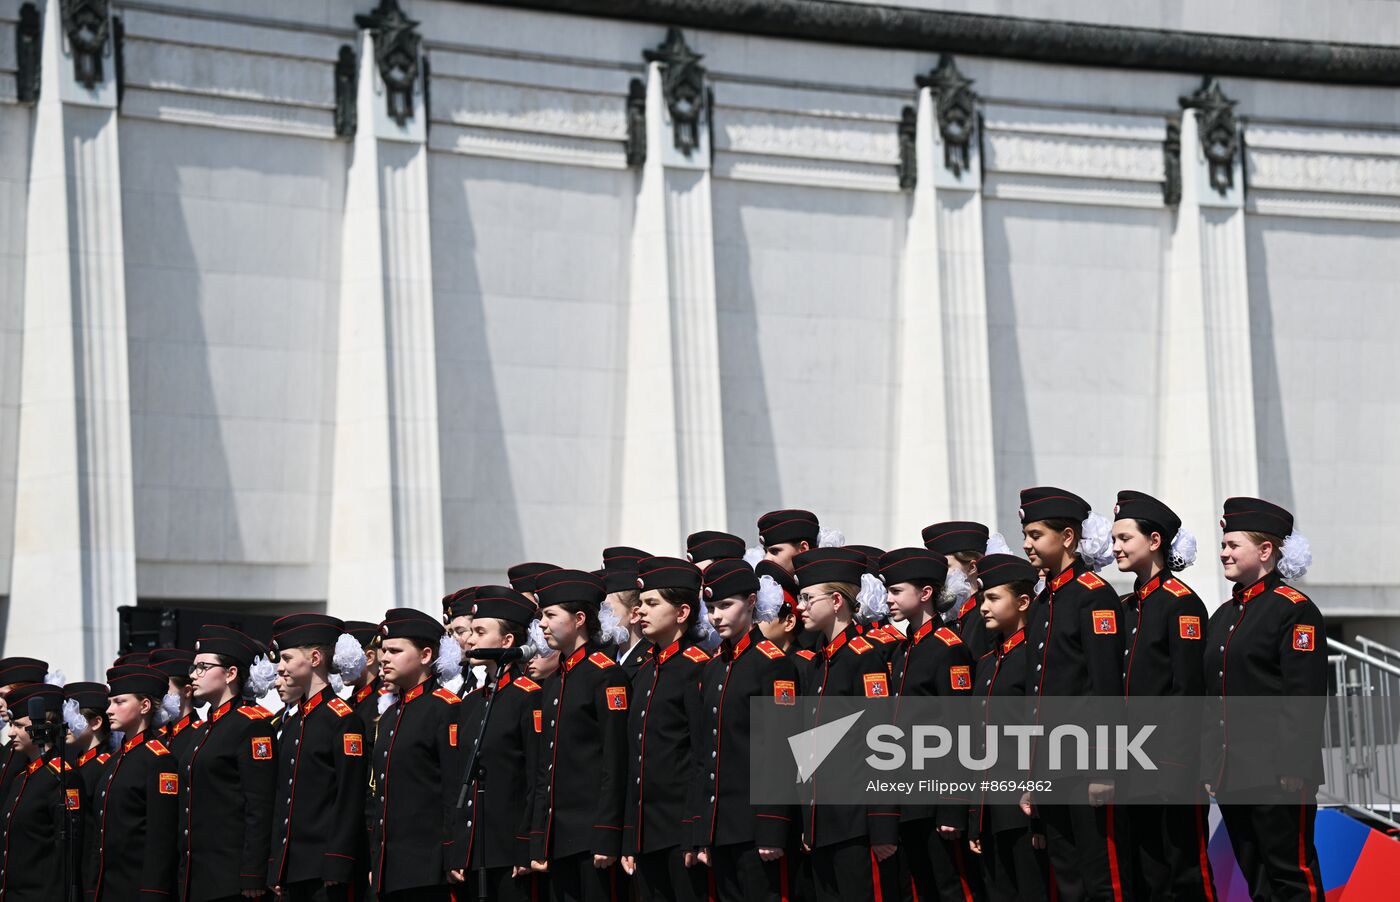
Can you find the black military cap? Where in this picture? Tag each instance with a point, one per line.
(1000, 569)
(779, 574)
(729, 579)
(1141, 506)
(619, 573)
(217, 639)
(94, 695)
(459, 603)
(955, 536)
(569, 587)
(709, 545)
(17, 700)
(872, 556)
(778, 527)
(410, 623)
(1050, 503)
(912, 565)
(363, 631)
(173, 662)
(829, 565)
(1254, 515)
(668, 573)
(523, 577)
(22, 670)
(503, 603)
(132, 657)
(134, 679)
(307, 628)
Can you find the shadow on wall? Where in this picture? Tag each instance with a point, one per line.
(1275, 465)
(1011, 425)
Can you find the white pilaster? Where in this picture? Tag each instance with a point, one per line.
(1208, 434)
(386, 507)
(673, 471)
(74, 554)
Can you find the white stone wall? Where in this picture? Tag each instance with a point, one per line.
(494, 341)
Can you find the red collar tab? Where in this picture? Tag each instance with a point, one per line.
(967, 606)
(574, 658)
(733, 653)
(923, 631)
(1015, 640)
(1059, 582)
(365, 691)
(314, 702)
(670, 650)
(87, 756)
(414, 693)
(1253, 591)
(504, 681)
(133, 742)
(1152, 586)
(834, 645)
(33, 766)
(220, 711)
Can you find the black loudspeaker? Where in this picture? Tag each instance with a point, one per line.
(142, 629)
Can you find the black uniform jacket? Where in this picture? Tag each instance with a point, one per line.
(1001, 684)
(226, 804)
(90, 766)
(181, 736)
(972, 629)
(580, 789)
(934, 664)
(494, 826)
(666, 779)
(419, 756)
(365, 701)
(136, 814)
(31, 868)
(850, 666)
(1265, 641)
(636, 659)
(322, 765)
(751, 668)
(1165, 624)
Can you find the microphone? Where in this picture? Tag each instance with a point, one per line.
(37, 714)
(504, 655)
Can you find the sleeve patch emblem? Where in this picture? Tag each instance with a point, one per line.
(617, 698)
(1304, 638)
(262, 748)
(354, 744)
(452, 735)
(169, 784)
(71, 799)
(1189, 627)
(876, 685)
(784, 692)
(1105, 623)
(960, 677)
(539, 721)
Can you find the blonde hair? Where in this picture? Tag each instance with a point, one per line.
(630, 597)
(848, 591)
(967, 557)
(1260, 538)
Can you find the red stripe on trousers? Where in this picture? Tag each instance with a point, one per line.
(1113, 858)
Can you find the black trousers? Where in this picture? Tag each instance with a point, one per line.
(1012, 869)
(848, 872)
(1170, 860)
(662, 876)
(317, 891)
(575, 879)
(939, 867)
(741, 876)
(1274, 846)
(1088, 851)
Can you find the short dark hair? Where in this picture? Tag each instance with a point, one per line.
(678, 597)
(1147, 528)
(590, 616)
(226, 662)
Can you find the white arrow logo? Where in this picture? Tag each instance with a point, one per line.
(811, 747)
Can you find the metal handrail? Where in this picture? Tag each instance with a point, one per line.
(1361, 760)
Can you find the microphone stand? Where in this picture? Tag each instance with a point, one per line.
(476, 773)
(51, 738)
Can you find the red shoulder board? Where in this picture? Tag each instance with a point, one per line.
(948, 636)
(1291, 594)
(157, 747)
(769, 650)
(806, 654)
(104, 758)
(696, 654)
(527, 684)
(859, 645)
(1091, 581)
(339, 707)
(598, 659)
(1177, 588)
(254, 712)
(879, 635)
(448, 696)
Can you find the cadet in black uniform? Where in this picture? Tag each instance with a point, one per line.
(933, 664)
(1009, 845)
(45, 792)
(784, 626)
(748, 847)
(364, 692)
(580, 791)
(707, 546)
(962, 544)
(15, 672)
(1264, 642)
(492, 851)
(875, 624)
(457, 616)
(318, 811)
(619, 575)
(1076, 647)
(1165, 625)
(787, 533)
(848, 842)
(417, 768)
(181, 724)
(522, 577)
(227, 779)
(666, 777)
(137, 804)
(88, 752)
